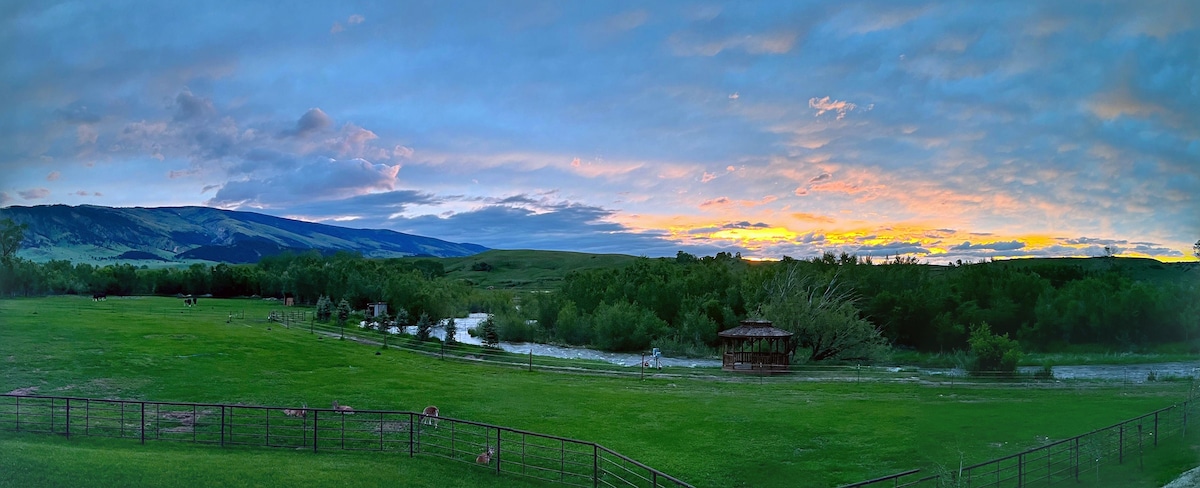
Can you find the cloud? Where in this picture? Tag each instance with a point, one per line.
(191, 107)
(807, 217)
(313, 179)
(994, 246)
(34, 193)
(734, 96)
(314, 120)
(77, 113)
(5, 199)
(53, 176)
(823, 105)
(353, 19)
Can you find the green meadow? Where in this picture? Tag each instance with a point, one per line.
(710, 432)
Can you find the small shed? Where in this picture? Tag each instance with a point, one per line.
(756, 346)
(377, 309)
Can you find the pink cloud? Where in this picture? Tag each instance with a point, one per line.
(34, 193)
(53, 176)
(823, 105)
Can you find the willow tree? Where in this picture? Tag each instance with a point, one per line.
(823, 315)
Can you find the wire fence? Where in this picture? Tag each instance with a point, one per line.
(503, 450)
(1067, 461)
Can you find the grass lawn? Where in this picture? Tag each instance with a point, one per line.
(708, 433)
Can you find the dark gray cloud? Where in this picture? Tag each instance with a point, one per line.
(190, 107)
(990, 246)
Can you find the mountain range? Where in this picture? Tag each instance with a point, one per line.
(89, 233)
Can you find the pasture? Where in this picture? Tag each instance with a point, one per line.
(707, 432)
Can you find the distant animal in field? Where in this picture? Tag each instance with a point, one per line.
(343, 408)
(99, 296)
(486, 457)
(293, 412)
(189, 302)
(429, 416)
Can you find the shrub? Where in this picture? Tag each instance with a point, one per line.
(993, 353)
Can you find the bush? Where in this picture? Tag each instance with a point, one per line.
(993, 353)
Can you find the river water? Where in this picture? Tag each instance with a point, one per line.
(1132, 373)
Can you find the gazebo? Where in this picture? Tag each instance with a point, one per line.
(757, 347)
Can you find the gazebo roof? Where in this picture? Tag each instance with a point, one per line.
(755, 329)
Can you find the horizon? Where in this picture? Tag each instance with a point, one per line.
(937, 130)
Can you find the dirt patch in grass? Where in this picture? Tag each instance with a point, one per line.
(187, 420)
(29, 390)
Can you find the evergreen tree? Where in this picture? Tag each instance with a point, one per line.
(424, 324)
(324, 308)
(343, 313)
(451, 329)
(490, 337)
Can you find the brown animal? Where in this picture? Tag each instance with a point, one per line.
(486, 457)
(343, 408)
(429, 416)
(293, 412)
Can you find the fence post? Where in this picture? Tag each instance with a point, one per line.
(1141, 463)
(1155, 429)
(498, 456)
(531, 359)
(142, 427)
(51, 415)
(1121, 444)
(222, 425)
(595, 466)
(316, 415)
(1020, 470)
(68, 418)
(1077, 459)
(18, 413)
(410, 434)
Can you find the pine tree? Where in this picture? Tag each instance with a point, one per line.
(343, 313)
(451, 329)
(490, 337)
(423, 327)
(324, 308)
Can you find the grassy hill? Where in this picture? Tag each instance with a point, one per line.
(96, 234)
(526, 269)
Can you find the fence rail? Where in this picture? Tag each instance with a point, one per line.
(1060, 462)
(514, 452)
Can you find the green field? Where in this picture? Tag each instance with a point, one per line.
(711, 433)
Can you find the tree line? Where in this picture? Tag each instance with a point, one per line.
(840, 307)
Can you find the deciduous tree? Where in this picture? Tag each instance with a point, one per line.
(823, 316)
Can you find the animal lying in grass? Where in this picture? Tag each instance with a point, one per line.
(486, 457)
(343, 408)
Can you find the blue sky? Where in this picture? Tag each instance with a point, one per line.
(940, 130)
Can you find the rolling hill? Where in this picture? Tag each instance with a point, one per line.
(89, 233)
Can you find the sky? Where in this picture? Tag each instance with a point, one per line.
(944, 130)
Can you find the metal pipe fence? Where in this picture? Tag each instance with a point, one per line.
(503, 450)
(1067, 461)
